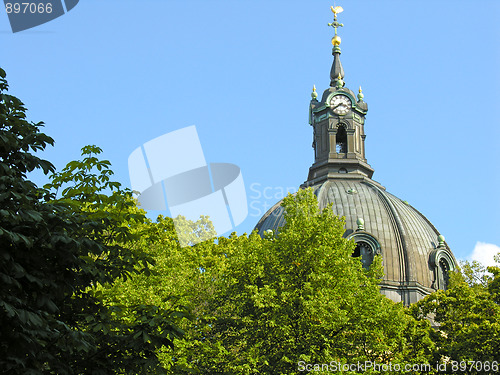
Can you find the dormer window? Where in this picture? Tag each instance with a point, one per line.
(364, 251)
(441, 262)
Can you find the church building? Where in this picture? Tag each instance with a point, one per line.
(415, 256)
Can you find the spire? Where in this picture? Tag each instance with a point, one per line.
(337, 72)
(338, 121)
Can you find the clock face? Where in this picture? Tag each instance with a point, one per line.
(340, 104)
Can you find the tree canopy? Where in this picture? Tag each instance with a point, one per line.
(56, 251)
(263, 305)
(467, 318)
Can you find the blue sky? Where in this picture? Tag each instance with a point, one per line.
(120, 73)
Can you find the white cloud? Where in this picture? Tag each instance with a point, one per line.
(484, 253)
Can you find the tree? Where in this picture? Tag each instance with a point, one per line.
(467, 318)
(298, 296)
(494, 283)
(54, 253)
(180, 279)
(475, 274)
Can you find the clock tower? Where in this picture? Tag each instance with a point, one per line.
(338, 120)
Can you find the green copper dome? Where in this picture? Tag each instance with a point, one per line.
(406, 239)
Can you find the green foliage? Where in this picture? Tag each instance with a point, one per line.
(474, 274)
(494, 284)
(26, 304)
(179, 280)
(193, 232)
(297, 296)
(467, 316)
(261, 305)
(54, 255)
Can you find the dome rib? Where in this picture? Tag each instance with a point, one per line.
(398, 231)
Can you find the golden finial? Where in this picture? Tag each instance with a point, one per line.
(360, 95)
(314, 94)
(336, 40)
(339, 82)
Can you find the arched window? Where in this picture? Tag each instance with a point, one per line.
(441, 262)
(341, 146)
(364, 251)
(443, 274)
(367, 247)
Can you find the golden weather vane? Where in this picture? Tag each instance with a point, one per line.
(335, 24)
(336, 10)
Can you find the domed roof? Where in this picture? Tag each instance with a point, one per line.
(409, 244)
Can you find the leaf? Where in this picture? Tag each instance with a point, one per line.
(11, 311)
